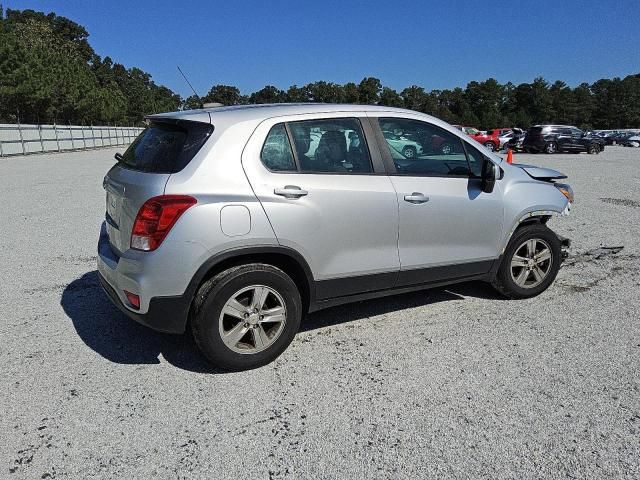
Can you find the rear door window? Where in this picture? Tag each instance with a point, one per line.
(334, 145)
(166, 146)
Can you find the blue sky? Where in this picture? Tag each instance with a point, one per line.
(434, 44)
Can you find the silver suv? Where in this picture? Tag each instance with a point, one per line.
(237, 221)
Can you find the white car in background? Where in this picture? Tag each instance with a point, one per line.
(408, 148)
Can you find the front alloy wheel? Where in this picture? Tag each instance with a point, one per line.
(550, 147)
(531, 263)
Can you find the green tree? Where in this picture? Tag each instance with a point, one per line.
(390, 98)
(325, 92)
(224, 94)
(268, 94)
(297, 94)
(351, 93)
(369, 91)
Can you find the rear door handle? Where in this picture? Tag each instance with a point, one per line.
(416, 197)
(290, 191)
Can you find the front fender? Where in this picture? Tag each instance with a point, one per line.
(529, 200)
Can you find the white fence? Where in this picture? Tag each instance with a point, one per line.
(24, 139)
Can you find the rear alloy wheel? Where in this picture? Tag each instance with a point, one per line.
(551, 147)
(252, 319)
(530, 262)
(246, 316)
(593, 149)
(409, 152)
(490, 146)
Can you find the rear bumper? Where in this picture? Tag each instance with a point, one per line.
(165, 314)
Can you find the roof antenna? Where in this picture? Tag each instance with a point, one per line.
(193, 89)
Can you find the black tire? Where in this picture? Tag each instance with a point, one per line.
(593, 149)
(490, 146)
(409, 152)
(504, 281)
(551, 147)
(211, 299)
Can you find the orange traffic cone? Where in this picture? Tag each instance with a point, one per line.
(509, 156)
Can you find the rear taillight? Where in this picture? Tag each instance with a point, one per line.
(155, 219)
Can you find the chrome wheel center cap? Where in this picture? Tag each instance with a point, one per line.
(253, 319)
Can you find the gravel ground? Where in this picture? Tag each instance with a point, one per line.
(451, 383)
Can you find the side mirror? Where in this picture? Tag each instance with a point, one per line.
(489, 176)
(118, 157)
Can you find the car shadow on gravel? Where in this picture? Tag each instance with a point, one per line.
(104, 329)
(110, 333)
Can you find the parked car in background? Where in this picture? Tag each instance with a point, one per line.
(495, 134)
(221, 221)
(560, 138)
(515, 142)
(619, 138)
(402, 144)
(504, 139)
(486, 140)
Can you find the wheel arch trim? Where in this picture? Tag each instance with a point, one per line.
(251, 251)
(534, 216)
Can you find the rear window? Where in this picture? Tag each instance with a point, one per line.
(166, 147)
(535, 131)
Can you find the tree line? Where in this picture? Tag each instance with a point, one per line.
(49, 73)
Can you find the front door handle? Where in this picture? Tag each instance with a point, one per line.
(416, 197)
(290, 191)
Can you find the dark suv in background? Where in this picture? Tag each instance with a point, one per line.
(560, 138)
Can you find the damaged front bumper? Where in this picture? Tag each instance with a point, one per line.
(565, 243)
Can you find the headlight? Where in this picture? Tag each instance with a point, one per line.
(566, 190)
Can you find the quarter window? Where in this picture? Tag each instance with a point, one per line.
(276, 152)
(331, 145)
(419, 148)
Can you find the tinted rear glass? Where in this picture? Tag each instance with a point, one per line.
(166, 147)
(535, 131)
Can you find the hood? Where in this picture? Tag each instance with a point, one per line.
(541, 173)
